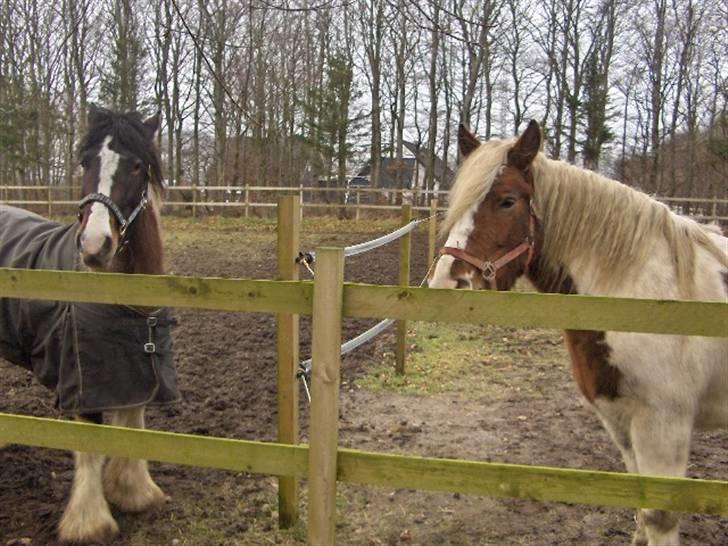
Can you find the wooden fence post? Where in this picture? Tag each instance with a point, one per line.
(247, 200)
(50, 200)
(328, 291)
(432, 233)
(287, 329)
(405, 252)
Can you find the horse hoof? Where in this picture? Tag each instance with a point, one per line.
(139, 499)
(86, 530)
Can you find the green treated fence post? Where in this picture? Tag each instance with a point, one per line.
(405, 252)
(287, 341)
(328, 294)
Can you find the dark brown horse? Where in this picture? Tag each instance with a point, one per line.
(515, 213)
(97, 358)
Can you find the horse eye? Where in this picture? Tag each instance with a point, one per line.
(507, 202)
(137, 168)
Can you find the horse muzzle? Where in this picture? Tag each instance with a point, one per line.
(96, 251)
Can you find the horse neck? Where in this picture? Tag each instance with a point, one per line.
(144, 252)
(552, 282)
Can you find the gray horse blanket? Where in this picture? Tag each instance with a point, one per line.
(95, 357)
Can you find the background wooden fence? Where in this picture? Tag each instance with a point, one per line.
(329, 299)
(261, 200)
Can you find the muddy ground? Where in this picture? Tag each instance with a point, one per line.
(512, 401)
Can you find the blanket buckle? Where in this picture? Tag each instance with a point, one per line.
(150, 347)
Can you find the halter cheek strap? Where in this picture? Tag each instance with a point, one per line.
(488, 269)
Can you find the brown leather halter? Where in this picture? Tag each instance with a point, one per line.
(488, 269)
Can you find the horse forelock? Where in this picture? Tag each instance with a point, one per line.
(474, 179)
(128, 135)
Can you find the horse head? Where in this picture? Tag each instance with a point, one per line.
(492, 223)
(121, 177)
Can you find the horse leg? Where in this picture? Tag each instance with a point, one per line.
(661, 444)
(87, 517)
(127, 482)
(616, 416)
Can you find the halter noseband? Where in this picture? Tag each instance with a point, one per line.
(124, 223)
(489, 269)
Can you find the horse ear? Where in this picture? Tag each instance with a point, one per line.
(467, 142)
(526, 147)
(95, 113)
(151, 125)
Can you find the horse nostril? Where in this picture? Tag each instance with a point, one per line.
(106, 248)
(462, 283)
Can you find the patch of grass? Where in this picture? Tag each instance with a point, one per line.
(219, 223)
(182, 232)
(473, 360)
(310, 224)
(209, 524)
(330, 224)
(238, 235)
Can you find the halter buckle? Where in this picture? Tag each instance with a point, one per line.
(489, 271)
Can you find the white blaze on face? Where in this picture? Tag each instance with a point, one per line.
(457, 238)
(98, 227)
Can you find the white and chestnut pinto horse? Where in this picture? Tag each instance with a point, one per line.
(118, 231)
(513, 212)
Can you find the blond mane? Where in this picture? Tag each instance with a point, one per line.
(581, 210)
(155, 198)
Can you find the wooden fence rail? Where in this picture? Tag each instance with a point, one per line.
(353, 466)
(521, 309)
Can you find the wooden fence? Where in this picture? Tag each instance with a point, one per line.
(261, 200)
(329, 299)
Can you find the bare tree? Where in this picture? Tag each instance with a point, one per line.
(654, 48)
(526, 80)
(121, 82)
(434, 79)
(480, 31)
(688, 17)
(371, 28)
